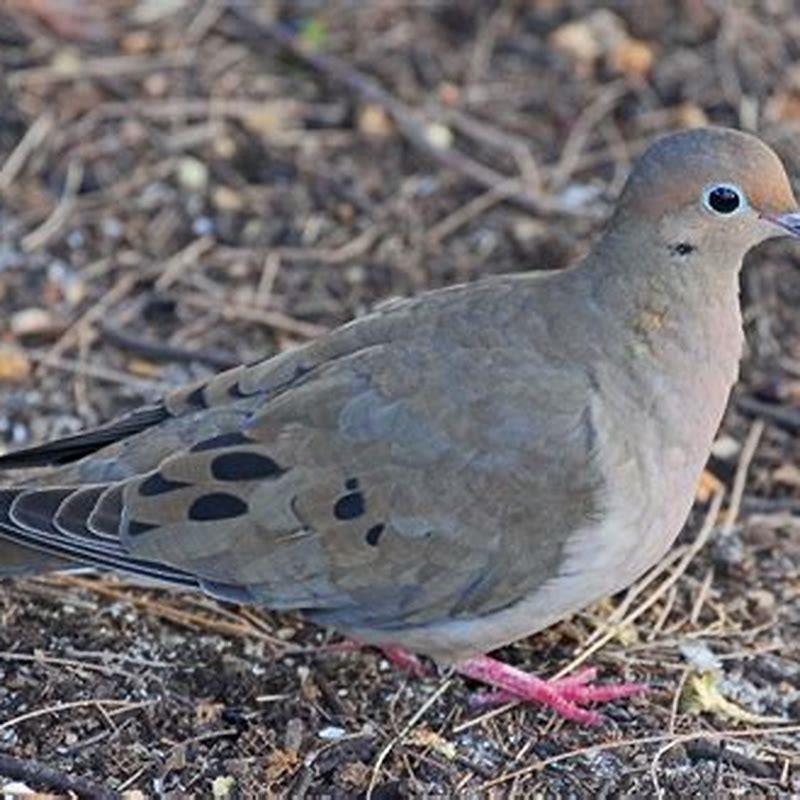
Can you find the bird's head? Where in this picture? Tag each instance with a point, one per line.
(709, 192)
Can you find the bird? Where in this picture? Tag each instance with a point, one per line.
(452, 471)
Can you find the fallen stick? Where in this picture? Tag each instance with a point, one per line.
(28, 771)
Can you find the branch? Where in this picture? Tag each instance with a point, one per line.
(41, 775)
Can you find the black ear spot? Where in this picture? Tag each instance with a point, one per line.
(374, 534)
(683, 248)
(245, 466)
(157, 484)
(351, 484)
(349, 506)
(217, 506)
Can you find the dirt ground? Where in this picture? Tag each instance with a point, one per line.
(179, 192)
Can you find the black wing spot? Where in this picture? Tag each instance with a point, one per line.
(197, 398)
(232, 439)
(351, 484)
(244, 466)
(374, 534)
(235, 391)
(157, 484)
(136, 528)
(349, 506)
(217, 506)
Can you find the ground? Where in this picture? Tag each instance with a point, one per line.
(180, 192)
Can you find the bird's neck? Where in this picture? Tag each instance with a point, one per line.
(679, 331)
(682, 313)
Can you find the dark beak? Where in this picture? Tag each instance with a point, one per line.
(789, 223)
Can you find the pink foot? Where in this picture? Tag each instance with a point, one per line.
(565, 696)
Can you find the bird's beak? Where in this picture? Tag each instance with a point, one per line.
(788, 223)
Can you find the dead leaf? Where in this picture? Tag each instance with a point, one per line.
(14, 365)
(226, 199)
(206, 713)
(594, 36)
(702, 694)
(281, 763)
(374, 122)
(788, 475)
(355, 774)
(688, 115)
(708, 485)
(632, 57)
(144, 368)
(425, 737)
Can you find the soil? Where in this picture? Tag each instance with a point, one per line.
(179, 192)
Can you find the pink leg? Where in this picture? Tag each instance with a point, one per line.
(565, 696)
(399, 658)
(405, 661)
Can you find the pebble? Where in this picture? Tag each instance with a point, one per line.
(332, 733)
(34, 322)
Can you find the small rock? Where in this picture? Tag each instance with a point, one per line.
(449, 94)
(224, 147)
(725, 448)
(17, 789)
(222, 786)
(331, 733)
(293, 736)
(699, 655)
(67, 61)
(192, 174)
(579, 195)
(34, 322)
(762, 604)
(439, 136)
(203, 226)
(156, 85)
(526, 230)
(728, 551)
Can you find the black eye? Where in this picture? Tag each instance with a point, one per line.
(723, 199)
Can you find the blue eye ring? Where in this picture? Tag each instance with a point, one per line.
(724, 199)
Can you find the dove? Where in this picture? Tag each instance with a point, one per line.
(454, 471)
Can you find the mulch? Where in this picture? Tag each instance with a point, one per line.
(189, 184)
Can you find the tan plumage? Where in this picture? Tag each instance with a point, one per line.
(453, 471)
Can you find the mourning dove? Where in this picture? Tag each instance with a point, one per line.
(454, 471)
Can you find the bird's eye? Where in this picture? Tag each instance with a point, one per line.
(723, 199)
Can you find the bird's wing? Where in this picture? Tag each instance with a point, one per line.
(400, 484)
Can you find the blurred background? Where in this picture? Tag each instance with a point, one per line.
(188, 184)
